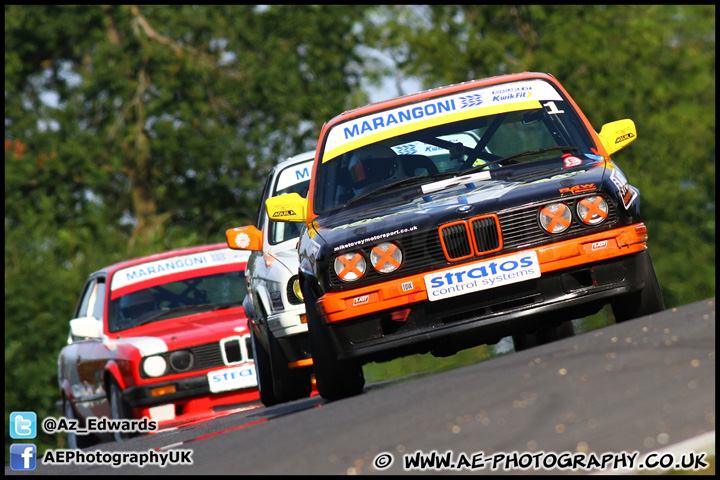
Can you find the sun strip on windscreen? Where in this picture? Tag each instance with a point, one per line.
(379, 126)
(160, 271)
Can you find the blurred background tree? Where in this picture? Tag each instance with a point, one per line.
(135, 129)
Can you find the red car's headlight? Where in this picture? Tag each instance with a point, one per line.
(155, 366)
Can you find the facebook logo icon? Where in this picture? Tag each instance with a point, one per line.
(23, 425)
(23, 456)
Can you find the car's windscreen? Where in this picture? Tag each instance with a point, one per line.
(293, 179)
(521, 123)
(179, 298)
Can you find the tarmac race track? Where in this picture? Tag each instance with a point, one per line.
(646, 386)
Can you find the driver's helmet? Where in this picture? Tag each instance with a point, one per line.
(370, 166)
(136, 304)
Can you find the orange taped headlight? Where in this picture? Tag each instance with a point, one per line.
(350, 266)
(386, 257)
(592, 210)
(555, 217)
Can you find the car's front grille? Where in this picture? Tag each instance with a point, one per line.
(226, 352)
(455, 239)
(508, 231)
(467, 238)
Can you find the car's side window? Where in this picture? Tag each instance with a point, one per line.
(97, 304)
(93, 300)
(87, 297)
(260, 219)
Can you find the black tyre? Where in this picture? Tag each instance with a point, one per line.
(264, 372)
(646, 301)
(119, 409)
(76, 441)
(335, 378)
(288, 383)
(525, 341)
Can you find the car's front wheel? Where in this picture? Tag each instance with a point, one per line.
(646, 301)
(264, 371)
(76, 441)
(288, 383)
(335, 378)
(119, 409)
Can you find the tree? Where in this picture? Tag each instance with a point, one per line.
(135, 129)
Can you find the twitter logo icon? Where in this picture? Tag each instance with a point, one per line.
(23, 425)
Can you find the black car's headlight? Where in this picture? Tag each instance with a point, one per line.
(350, 266)
(555, 217)
(386, 257)
(592, 210)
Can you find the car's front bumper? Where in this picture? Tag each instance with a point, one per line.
(181, 393)
(583, 284)
(288, 323)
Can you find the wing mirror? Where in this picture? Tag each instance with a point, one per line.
(245, 238)
(617, 135)
(290, 207)
(86, 327)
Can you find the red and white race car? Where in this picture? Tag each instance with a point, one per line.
(163, 337)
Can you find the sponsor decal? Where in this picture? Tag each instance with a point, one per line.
(571, 161)
(471, 100)
(293, 175)
(374, 238)
(172, 265)
(477, 276)
(436, 111)
(623, 135)
(629, 197)
(512, 93)
(407, 286)
(362, 300)
(598, 245)
(588, 187)
(232, 378)
(627, 194)
(242, 240)
(284, 213)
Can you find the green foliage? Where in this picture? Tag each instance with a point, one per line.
(424, 364)
(131, 130)
(135, 129)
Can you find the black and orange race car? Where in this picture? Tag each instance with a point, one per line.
(457, 216)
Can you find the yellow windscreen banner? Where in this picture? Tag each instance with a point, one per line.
(420, 124)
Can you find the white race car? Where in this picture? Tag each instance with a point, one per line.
(274, 305)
